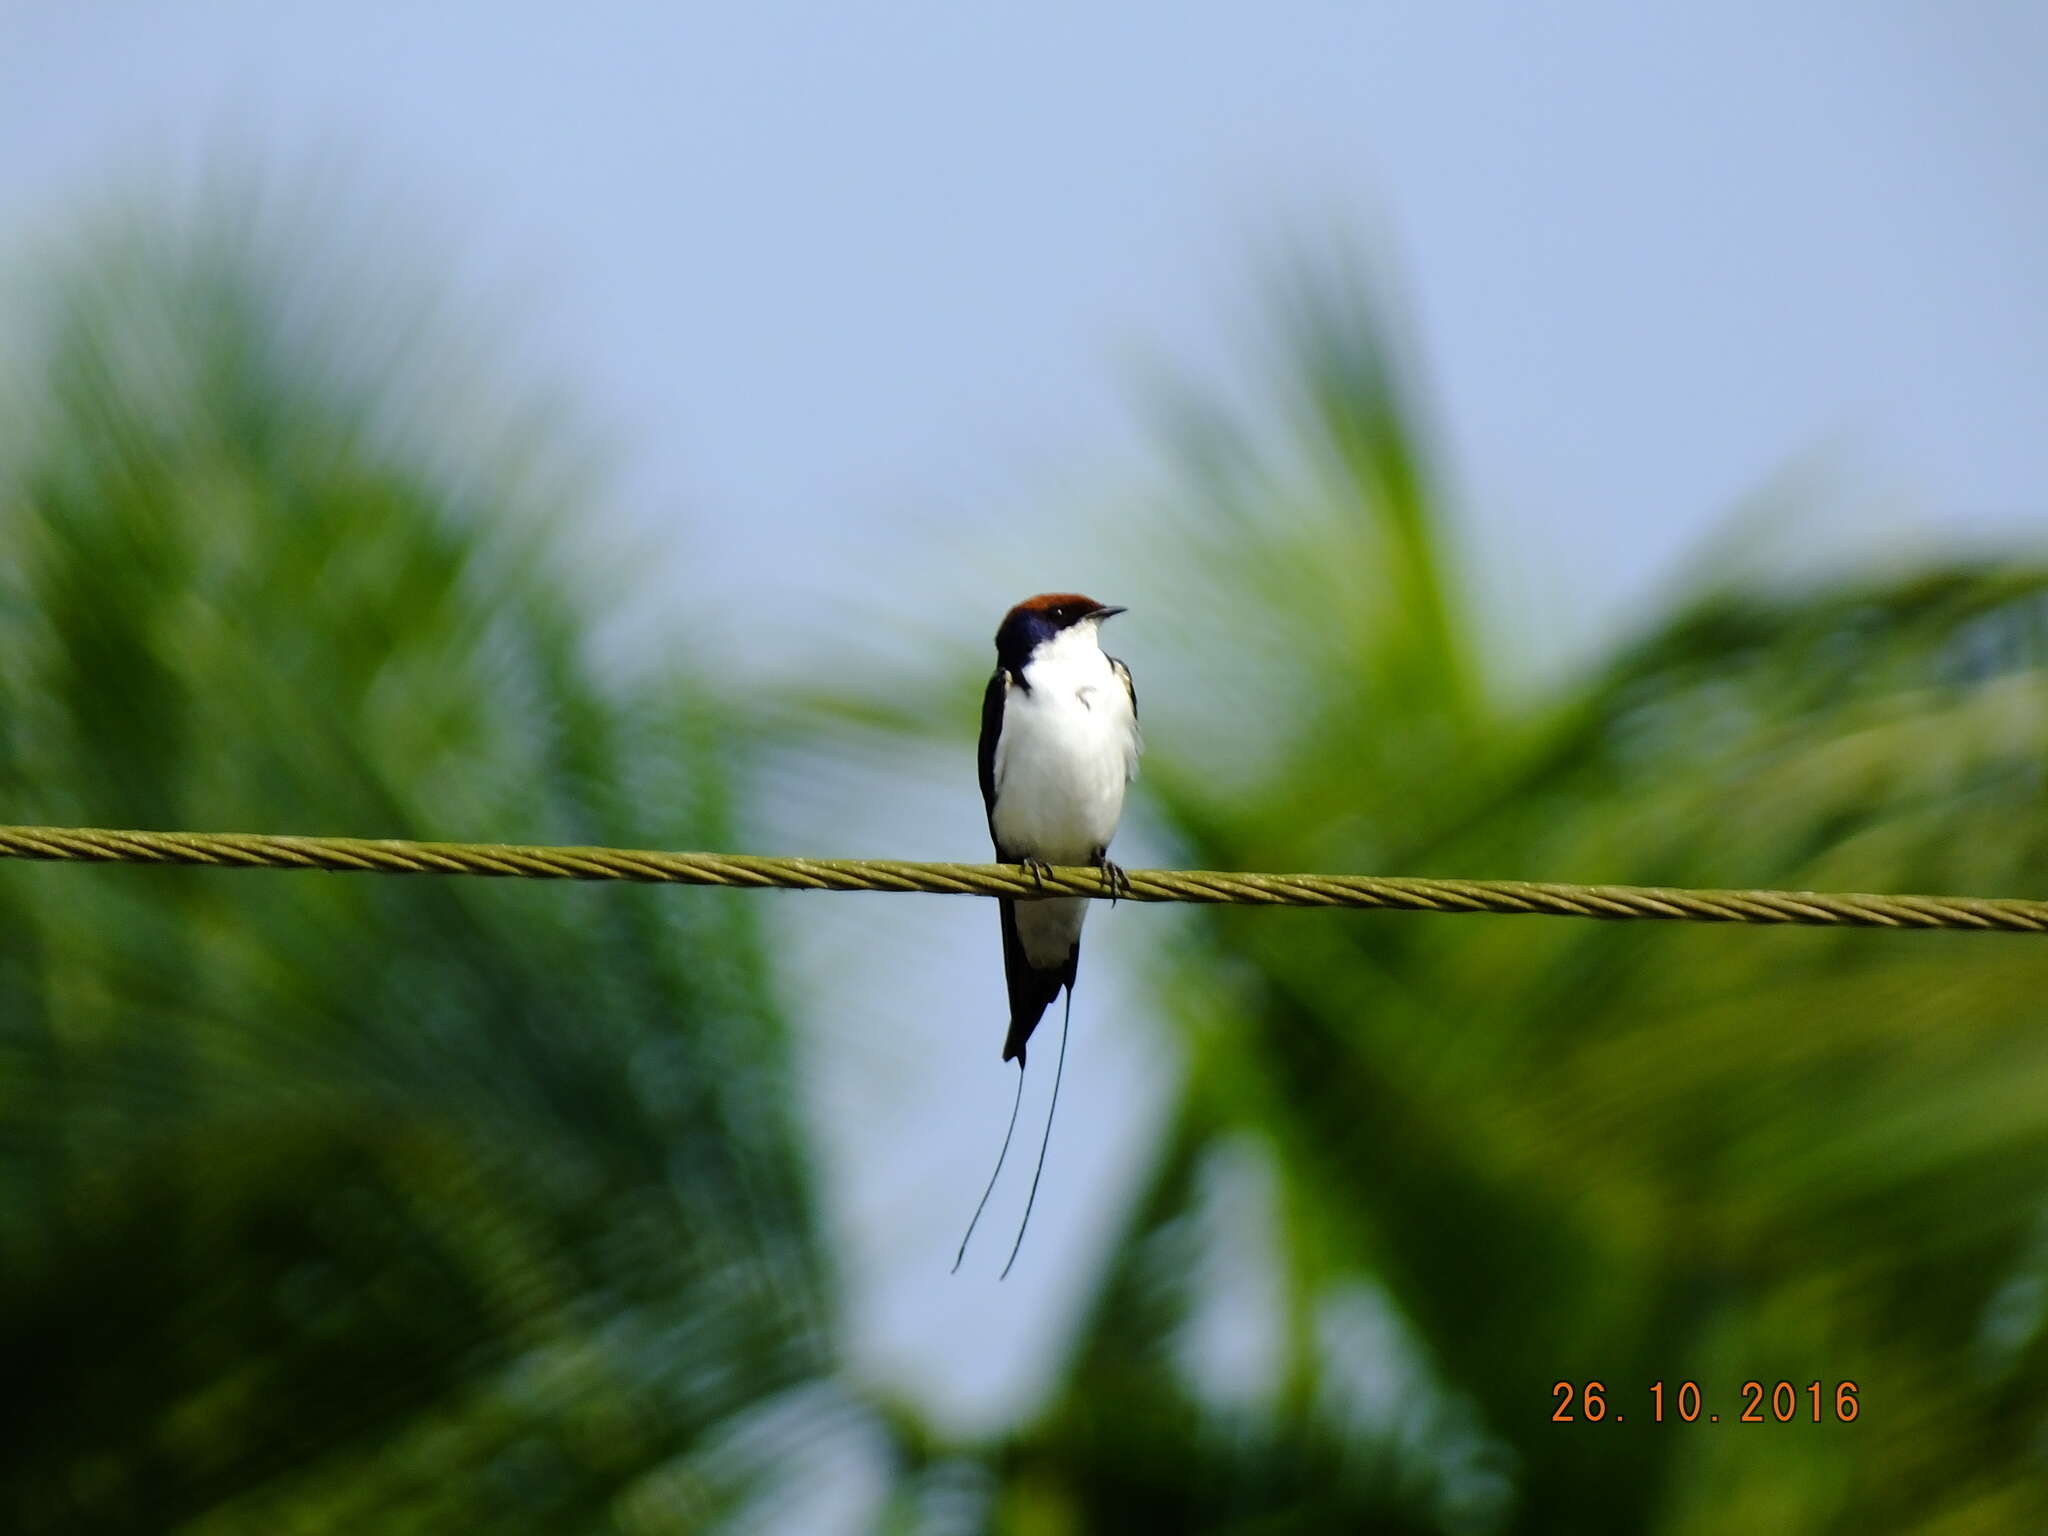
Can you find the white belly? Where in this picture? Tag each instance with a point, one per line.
(1069, 745)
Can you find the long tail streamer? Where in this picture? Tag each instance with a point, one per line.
(1015, 1104)
(1051, 1109)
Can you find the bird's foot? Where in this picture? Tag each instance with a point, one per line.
(1037, 869)
(1114, 877)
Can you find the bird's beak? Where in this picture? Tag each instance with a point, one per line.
(1105, 612)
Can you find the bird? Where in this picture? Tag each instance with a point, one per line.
(1059, 745)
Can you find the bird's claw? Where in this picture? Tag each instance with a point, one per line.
(1038, 870)
(1114, 877)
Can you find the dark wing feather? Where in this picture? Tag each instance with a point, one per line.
(991, 728)
(1123, 675)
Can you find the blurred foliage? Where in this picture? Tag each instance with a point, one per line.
(1497, 1153)
(1438, 1165)
(358, 1203)
(415, 1204)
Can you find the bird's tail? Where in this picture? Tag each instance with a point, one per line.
(1058, 1071)
(1032, 989)
(1027, 1006)
(1015, 1104)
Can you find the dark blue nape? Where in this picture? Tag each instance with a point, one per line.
(1020, 635)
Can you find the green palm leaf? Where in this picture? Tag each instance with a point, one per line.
(335, 1202)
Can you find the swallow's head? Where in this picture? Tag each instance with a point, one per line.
(1045, 617)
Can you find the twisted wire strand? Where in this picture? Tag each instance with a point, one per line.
(354, 855)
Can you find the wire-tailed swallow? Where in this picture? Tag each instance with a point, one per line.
(1059, 742)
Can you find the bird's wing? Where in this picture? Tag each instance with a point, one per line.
(991, 731)
(1136, 745)
(1123, 675)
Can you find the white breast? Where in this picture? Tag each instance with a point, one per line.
(1068, 747)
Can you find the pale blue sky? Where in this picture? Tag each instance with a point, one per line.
(831, 278)
(1655, 253)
